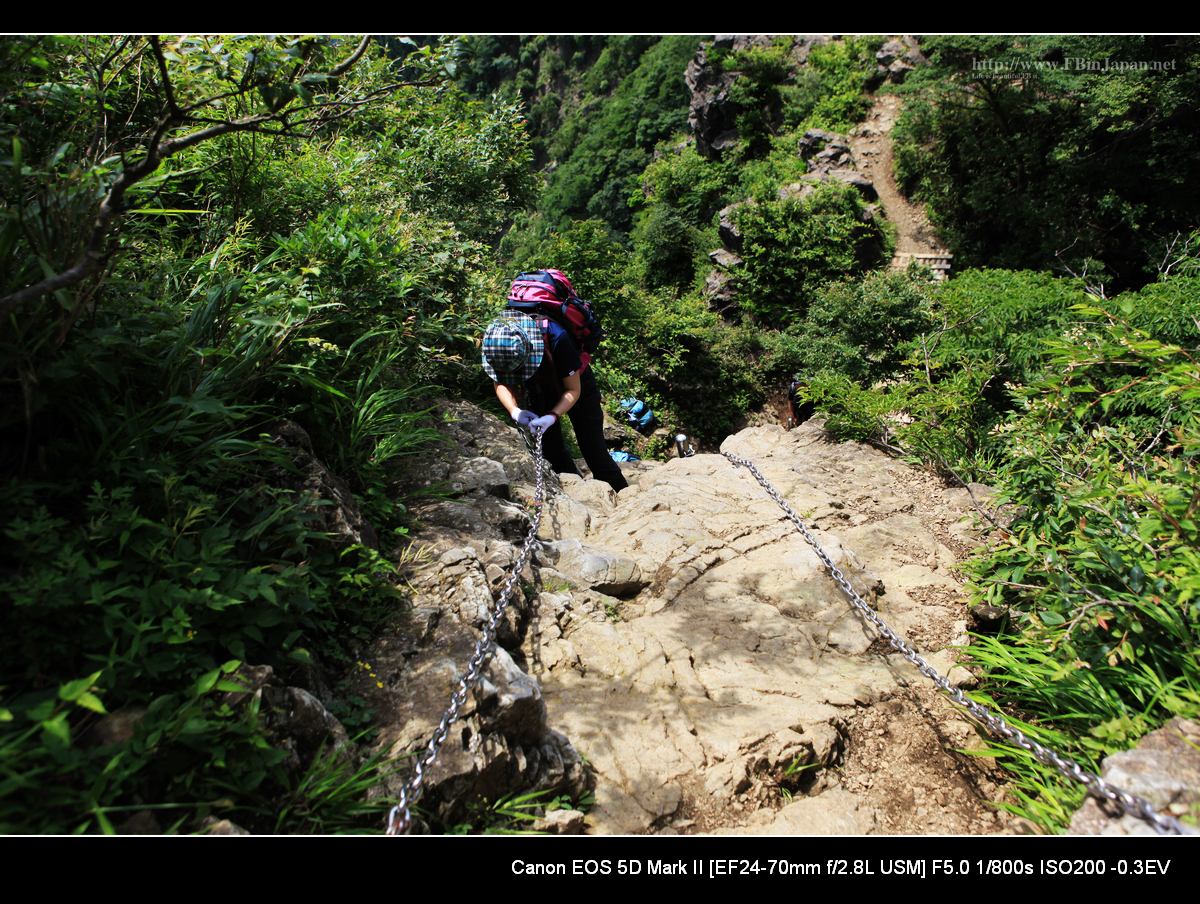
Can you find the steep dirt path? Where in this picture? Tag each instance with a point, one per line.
(871, 146)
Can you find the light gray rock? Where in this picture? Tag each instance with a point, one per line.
(597, 568)
(725, 259)
(560, 822)
(1164, 769)
(563, 518)
(213, 826)
(745, 651)
(481, 473)
(598, 496)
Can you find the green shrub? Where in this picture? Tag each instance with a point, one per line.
(691, 186)
(793, 248)
(1103, 565)
(831, 92)
(864, 329)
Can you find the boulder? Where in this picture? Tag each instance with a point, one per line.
(598, 496)
(327, 497)
(1164, 769)
(593, 567)
(725, 259)
(727, 227)
(852, 177)
(720, 290)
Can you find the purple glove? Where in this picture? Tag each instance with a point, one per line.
(542, 424)
(523, 418)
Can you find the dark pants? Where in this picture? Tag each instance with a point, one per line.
(587, 420)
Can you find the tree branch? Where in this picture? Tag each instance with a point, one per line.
(341, 68)
(158, 148)
(176, 113)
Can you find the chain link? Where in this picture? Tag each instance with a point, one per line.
(399, 819)
(1133, 804)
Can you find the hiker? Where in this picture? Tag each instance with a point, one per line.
(798, 412)
(536, 357)
(640, 417)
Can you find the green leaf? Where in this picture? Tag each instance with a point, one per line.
(58, 728)
(206, 683)
(163, 210)
(90, 701)
(1137, 578)
(105, 826)
(74, 689)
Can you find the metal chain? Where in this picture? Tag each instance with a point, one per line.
(1133, 804)
(399, 818)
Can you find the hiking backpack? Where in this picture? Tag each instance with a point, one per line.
(549, 293)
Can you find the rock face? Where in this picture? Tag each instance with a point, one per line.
(898, 57)
(462, 556)
(682, 636)
(712, 117)
(829, 158)
(740, 659)
(712, 114)
(329, 499)
(1164, 769)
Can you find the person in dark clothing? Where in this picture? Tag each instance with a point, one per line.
(538, 359)
(798, 411)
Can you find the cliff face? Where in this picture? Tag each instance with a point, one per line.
(685, 639)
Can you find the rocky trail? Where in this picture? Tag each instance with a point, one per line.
(680, 648)
(871, 146)
(739, 692)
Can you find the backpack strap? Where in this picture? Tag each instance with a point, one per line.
(548, 361)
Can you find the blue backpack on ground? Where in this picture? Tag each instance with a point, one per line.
(640, 416)
(623, 456)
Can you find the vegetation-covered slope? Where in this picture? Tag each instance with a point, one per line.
(309, 251)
